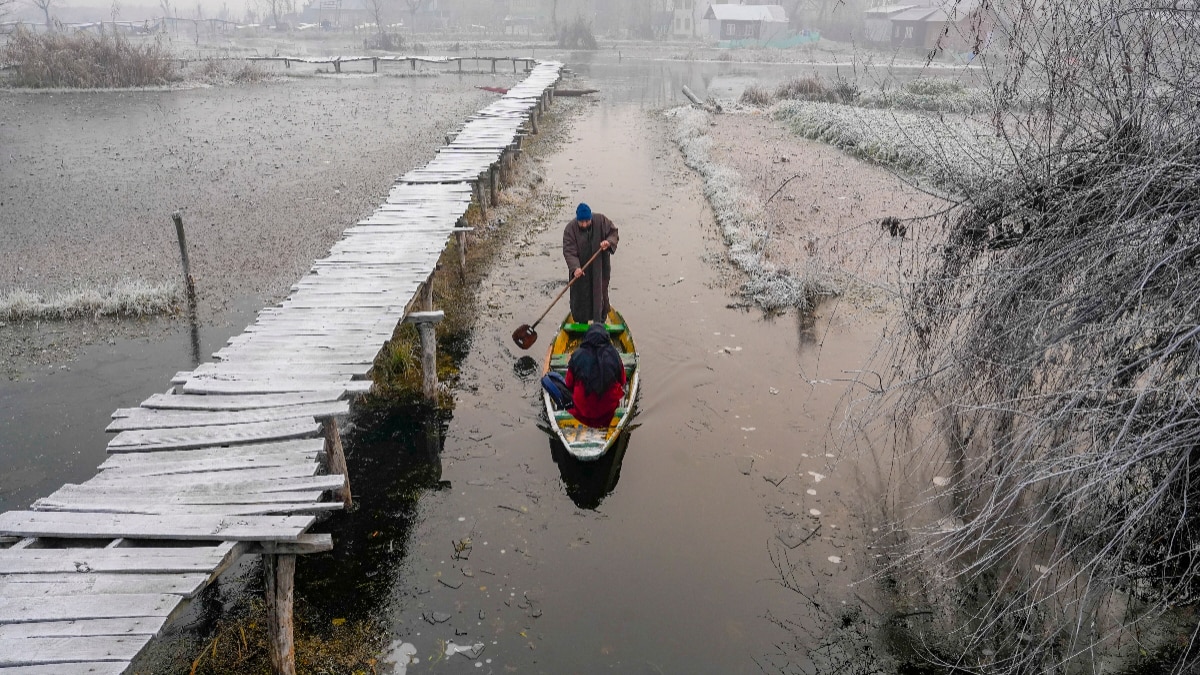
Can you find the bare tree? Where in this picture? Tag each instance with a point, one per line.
(45, 6)
(1052, 344)
(414, 6)
(277, 7)
(378, 8)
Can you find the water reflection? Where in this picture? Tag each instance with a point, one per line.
(394, 455)
(588, 483)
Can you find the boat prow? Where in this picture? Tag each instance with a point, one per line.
(581, 441)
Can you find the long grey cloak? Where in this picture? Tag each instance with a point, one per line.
(589, 295)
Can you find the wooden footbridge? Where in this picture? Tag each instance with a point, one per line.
(242, 455)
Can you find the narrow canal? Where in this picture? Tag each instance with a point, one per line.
(666, 557)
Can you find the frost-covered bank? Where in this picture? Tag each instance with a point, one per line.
(740, 216)
(957, 155)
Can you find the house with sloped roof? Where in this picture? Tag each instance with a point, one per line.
(966, 27)
(877, 22)
(746, 22)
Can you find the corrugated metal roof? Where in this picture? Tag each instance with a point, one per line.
(771, 13)
(888, 9)
(921, 14)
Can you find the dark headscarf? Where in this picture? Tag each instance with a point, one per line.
(596, 362)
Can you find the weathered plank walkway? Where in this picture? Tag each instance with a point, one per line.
(242, 454)
(413, 60)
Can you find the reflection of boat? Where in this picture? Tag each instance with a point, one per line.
(587, 484)
(581, 441)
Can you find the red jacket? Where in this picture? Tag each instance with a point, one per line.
(595, 411)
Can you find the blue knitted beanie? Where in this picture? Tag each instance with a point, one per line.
(583, 212)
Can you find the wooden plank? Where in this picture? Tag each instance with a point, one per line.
(200, 437)
(74, 494)
(35, 585)
(46, 650)
(192, 402)
(202, 559)
(128, 626)
(268, 387)
(161, 468)
(67, 608)
(231, 492)
(135, 526)
(305, 447)
(92, 668)
(158, 508)
(132, 481)
(147, 418)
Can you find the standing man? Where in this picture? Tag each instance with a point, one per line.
(588, 233)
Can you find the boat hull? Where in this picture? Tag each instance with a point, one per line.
(582, 442)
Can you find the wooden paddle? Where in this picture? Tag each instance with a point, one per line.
(525, 336)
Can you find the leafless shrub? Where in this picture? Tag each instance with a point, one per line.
(83, 60)
(577, 35)
(814, 88)
(757, 96)
(1056, 337)
(809, 88)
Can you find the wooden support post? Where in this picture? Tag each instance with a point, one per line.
(493, 66)
(280, 573)
(461, 237)
(336, 457)
(480, 197)
(287, 63)
(492, 183)
(426, 329)
(533, 121)
(514, 65)
(428, 288)
(460, 65)
(187, 268)
(413, 62)
(374, 65)
(337, 65)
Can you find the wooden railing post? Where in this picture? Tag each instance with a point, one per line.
(279, 571)
(336, 456)
(426, 322)
(189, 285)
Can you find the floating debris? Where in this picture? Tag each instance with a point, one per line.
(455, 584)
(814, 512)
(744, 464)
(775, 477)
(469, 651)
(795, 534)
(402, 654)
(941, 481)
(811, 492)
(817, 477)
(835, 560)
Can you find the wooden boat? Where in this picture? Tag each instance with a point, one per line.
(581, 441)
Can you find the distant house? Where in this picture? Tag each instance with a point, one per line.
(877, 22)
(682, 25)
(918, 27)
(746, 22)
(928, 28)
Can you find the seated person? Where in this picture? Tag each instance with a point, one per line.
(596, 378)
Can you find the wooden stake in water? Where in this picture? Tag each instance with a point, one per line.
(187, 268)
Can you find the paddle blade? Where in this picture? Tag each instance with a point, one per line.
(524, 337)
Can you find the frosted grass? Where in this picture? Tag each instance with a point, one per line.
(743, 223)
(131, 298)
(957, 155)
